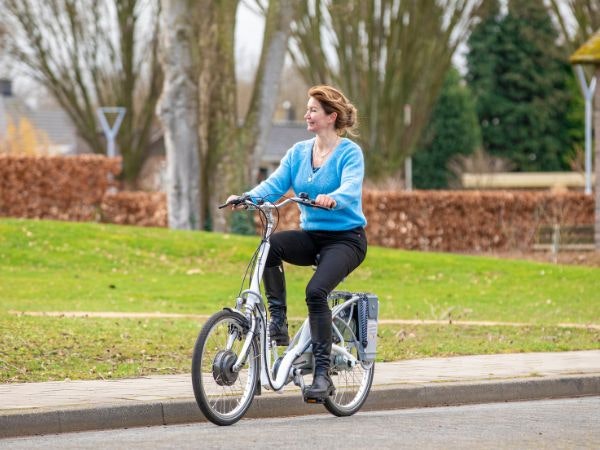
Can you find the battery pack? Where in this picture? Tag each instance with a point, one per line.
(368, 312)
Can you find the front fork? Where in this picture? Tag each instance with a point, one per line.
(249, 301)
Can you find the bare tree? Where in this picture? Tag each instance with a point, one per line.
(586, 17)
(218, 127)
(178, 110)
(257, 125)
(229, 151)
(87, 54)
(390, 57)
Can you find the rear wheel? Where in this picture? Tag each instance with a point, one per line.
(223, 394)
(352, 384)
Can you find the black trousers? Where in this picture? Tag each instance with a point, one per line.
(340, 252)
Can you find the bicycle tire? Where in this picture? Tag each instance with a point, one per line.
(224, 396)
(352, 384)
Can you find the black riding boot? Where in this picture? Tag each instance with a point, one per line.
(274, 282)
(320, 331)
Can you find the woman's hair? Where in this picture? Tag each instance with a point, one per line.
(333, 101)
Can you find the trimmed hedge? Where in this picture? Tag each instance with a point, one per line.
(55, 187)
(464, 220)
(470, 221)
(78, 188)
(147, 209)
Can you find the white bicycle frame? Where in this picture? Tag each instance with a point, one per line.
(253, 306)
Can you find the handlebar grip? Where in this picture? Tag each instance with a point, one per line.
(234, 202)
(314, 205)
(305, 200)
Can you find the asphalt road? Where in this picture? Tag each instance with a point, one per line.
(565, 423)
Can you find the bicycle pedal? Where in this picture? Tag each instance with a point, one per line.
(314, 400)
(317, 400)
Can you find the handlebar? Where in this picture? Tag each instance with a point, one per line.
(245, 200)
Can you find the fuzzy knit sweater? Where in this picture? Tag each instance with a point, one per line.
(340, 177)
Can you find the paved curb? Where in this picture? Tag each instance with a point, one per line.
(50, 421)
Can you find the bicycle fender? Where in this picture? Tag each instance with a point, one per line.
(235, 311)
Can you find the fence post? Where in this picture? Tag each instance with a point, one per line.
(555, 242)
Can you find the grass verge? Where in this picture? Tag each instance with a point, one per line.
(62, 266)
(49, 348)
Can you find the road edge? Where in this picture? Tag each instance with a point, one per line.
(168, 412)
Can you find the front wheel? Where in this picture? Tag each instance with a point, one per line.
(224, 395)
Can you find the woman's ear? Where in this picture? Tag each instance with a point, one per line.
(333, 116)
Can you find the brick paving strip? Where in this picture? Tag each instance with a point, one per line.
(62, 406)
(159, 315)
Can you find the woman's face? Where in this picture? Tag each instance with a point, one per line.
(316, 117)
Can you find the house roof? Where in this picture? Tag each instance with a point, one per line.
(53, 121)
(589, 52)
(282, 136)
(57, 124)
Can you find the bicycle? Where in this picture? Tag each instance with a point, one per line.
(232, 355)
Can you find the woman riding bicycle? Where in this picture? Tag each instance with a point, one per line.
(330, 169)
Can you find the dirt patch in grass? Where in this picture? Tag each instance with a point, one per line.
(586, 258)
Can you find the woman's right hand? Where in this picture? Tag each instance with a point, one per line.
(235, 197)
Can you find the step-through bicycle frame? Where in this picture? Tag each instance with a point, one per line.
(251, 305)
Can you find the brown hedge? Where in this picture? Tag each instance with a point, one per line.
(464, 220)
(78, 188)
(148, 209)
(55, 187)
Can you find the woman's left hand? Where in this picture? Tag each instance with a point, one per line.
(325, 200)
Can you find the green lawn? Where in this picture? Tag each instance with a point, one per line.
(63, 266)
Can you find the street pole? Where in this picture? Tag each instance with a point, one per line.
(111, 132)
(408, 160)
(588, 94)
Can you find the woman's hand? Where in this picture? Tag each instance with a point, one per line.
(235, 197)
(325, 200)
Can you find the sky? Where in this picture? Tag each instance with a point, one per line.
(248, 39)
(249, 33)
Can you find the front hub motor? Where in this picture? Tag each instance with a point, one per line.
(222, 368)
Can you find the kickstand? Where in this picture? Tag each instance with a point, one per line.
(258, 389)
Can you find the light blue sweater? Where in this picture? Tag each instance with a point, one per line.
(340, 177)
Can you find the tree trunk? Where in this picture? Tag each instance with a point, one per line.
(268, 77)
(597, 160)
(228, 153)
(178, 111)
(218, 127)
